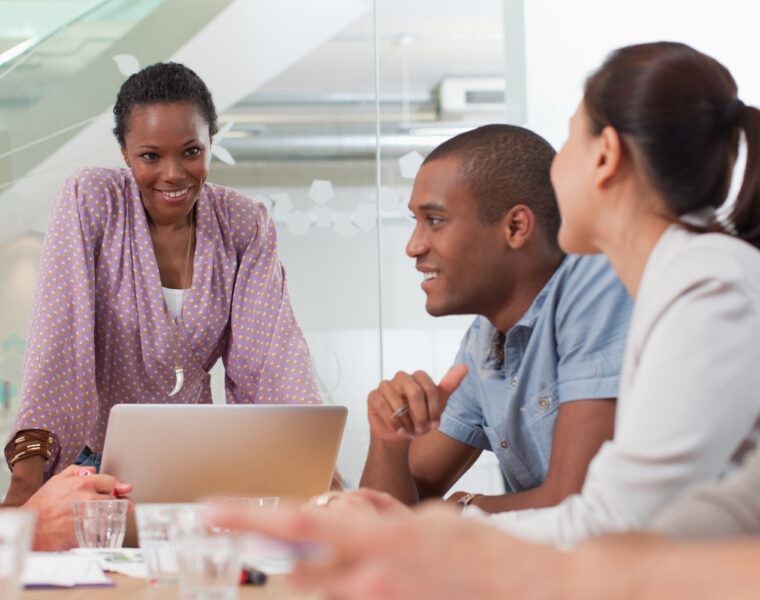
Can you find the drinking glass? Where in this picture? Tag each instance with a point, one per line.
(16, 532)
(209, 565)
(154, 521)
(208, 558)
(100, 523)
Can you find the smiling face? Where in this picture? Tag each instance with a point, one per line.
(167, 146)
(461, 257)
(572, 175)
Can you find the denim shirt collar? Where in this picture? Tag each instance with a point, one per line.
(516, 339)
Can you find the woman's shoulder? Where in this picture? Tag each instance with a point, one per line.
(93, 185)
(244, 214)
(99, 178)
(683, 260)
(234, 199)
(718, 255)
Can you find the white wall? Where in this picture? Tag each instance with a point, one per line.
(568, 40)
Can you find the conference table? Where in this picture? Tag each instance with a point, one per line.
(137, 589)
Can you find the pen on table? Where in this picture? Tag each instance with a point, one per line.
(253, 576)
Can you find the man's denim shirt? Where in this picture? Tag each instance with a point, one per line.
(567, 346)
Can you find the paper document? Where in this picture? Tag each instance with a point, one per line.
(126, 561)
(62, 569)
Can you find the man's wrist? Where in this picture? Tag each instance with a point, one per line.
(399, 446)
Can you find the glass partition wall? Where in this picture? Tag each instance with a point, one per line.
(326, 111)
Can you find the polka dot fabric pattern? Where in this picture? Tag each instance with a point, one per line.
(101, 333)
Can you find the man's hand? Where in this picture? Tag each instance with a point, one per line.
(52, 503)
(410, 405)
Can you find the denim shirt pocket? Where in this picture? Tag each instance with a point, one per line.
(541, 405)
(540, 416)
(518, 475)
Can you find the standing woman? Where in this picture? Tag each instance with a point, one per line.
(648, 160)
(148, 276)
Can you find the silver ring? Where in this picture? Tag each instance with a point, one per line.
(400, 411)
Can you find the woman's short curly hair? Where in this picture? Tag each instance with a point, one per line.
(162, 83)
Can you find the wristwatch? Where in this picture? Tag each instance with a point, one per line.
(467, 499)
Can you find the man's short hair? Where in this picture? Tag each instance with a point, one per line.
(505, 165)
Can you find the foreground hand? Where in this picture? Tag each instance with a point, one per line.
(431, 553)
(52, 503)
(409, 405)
(361, 500)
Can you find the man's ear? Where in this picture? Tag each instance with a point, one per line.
(124, 155)
(518, 225)
(609, 156)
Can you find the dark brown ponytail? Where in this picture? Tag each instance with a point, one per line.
(679, 108)
(745, 216)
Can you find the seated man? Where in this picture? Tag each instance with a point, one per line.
(542, 358)
(54, 529)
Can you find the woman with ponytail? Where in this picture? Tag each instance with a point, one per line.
(648, 160)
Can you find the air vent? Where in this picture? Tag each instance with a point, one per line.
(471, 98)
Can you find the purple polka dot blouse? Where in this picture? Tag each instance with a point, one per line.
(101, 333)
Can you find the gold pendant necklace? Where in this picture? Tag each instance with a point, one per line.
(179, 372)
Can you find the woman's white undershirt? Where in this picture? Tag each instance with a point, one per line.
(174, 300)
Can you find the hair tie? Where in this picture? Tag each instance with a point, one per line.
(731, 112)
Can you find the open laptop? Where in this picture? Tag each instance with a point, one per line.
(181, 452)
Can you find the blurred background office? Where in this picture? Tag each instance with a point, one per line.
(326, 110)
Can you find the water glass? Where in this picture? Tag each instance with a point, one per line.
(209, 565)
(100, 523)
(154, 522)
(16, 532)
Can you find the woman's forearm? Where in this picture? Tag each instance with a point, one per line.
(26, 478)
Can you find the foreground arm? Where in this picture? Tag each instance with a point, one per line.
(727, 508)
(436, 554)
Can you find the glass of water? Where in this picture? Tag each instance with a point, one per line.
(208, 559)
(16, 532)
(154, 522)
(209, 566)
(100, 523)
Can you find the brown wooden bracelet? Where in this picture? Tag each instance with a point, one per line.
(31, 442)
